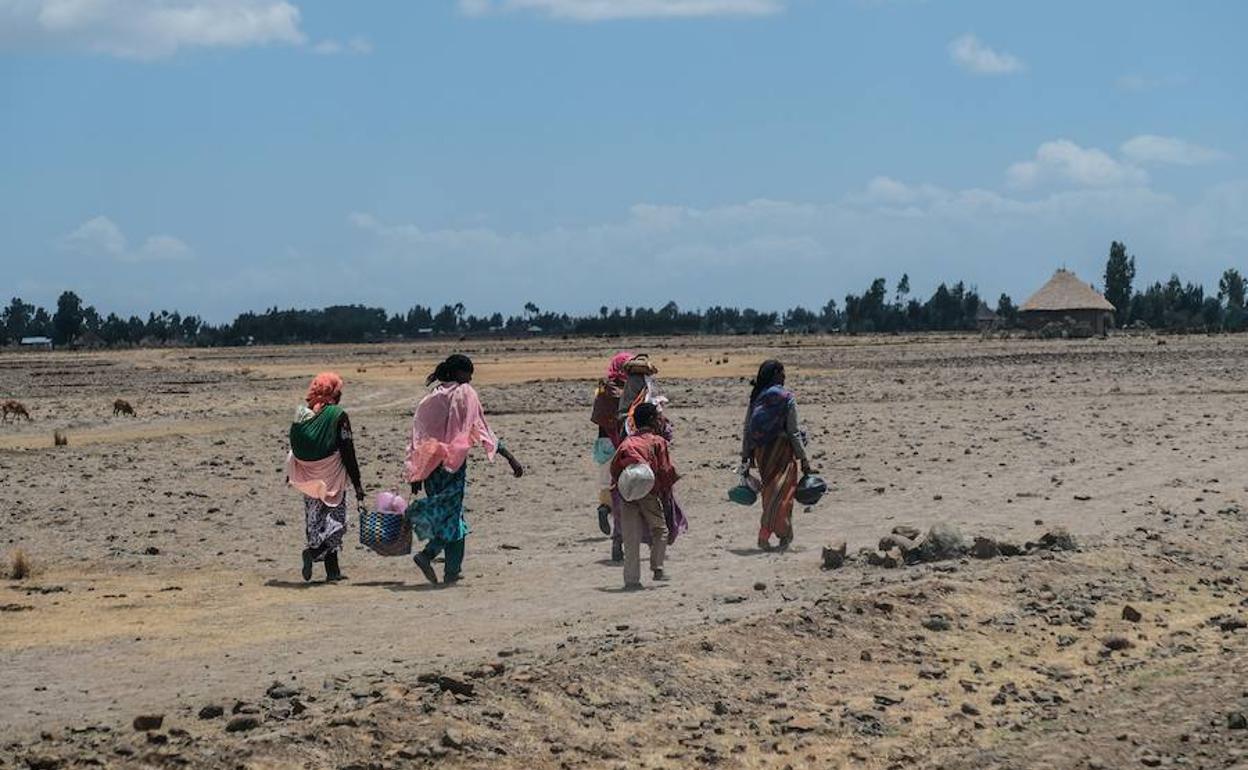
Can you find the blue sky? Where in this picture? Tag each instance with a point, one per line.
(220, 155)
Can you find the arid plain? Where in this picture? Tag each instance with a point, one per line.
(166, 551)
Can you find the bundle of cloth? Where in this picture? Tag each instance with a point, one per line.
(389, 502)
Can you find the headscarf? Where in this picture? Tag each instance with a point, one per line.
(324, 387)
(615, 370)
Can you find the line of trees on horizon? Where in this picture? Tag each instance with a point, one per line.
(1171, 306)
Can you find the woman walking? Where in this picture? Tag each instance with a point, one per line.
(321, 461)
(448, 422)
(605, 415)
(773, 441)
(640, 388)
(610, 432)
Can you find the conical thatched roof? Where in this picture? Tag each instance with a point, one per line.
(985, 313)
(1065, 291)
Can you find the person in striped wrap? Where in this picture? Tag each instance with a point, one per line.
(774, 443)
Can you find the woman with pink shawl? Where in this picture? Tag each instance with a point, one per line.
(448, 422)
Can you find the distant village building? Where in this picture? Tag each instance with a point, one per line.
(985, 318)
(1066, 297)
(37, 343)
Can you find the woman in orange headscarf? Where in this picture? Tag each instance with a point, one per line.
(321, 461)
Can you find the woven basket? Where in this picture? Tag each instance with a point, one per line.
(386, 534)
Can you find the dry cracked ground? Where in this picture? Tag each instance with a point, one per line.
(165, 624)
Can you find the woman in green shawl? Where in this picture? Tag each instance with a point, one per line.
(320, 463)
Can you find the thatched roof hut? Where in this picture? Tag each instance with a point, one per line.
(1066, 298)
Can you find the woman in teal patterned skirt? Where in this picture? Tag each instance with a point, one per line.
(448, 422)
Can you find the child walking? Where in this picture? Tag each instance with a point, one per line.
(645, 449)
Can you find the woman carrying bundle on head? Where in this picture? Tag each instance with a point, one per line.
(640, 388)
(774, 442)
(605, 415)
(448, 422)
(321, 460)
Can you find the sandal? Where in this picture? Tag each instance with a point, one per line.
(426, 567)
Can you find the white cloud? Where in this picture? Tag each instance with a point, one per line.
(359, 46)
(740, 253)
(147, 29)
(888, 191)
(1064, 162)
(1150, 148)
(972, 55)
(609, 10)
(101, 237)
(96, 237)
(725, 254)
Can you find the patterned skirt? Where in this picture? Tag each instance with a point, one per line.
(440, 514)
(325, 525)
(777, 466)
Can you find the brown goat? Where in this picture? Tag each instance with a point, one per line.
(122, 407)
(15, 410)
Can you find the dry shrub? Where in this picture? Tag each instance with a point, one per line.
(19, 565)
(59, 439)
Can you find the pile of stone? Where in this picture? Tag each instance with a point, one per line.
(908, 545)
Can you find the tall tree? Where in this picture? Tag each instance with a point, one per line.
(1231, 289)
(40, 323)
(447, 320)
(18, 317)
(1007, 310)
(1119, 275)
(831, 316)
(91, 321)
(903, 290)
(67, 323)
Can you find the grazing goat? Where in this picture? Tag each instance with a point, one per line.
(15, 410)
(122, 407)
